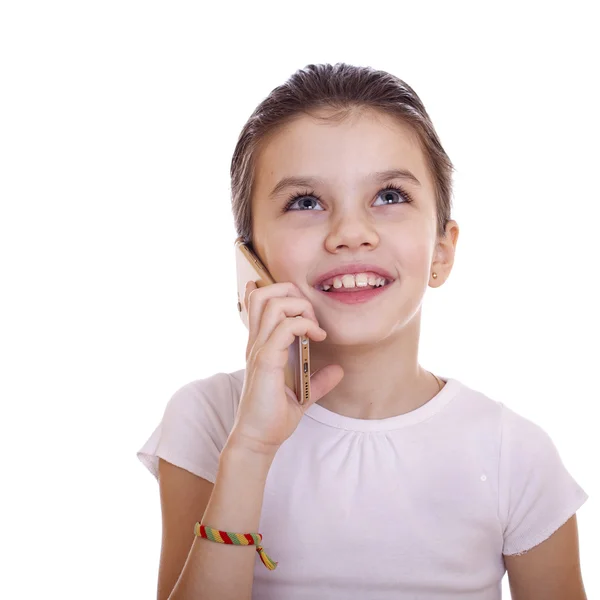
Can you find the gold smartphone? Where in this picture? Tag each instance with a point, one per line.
(297, 371)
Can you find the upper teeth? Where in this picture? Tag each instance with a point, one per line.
(350, 281)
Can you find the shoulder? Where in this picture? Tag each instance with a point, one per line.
(509, 439)
(474, 413)
(522, 437)
(195, 425)
(536, 491)
(217, 395)
(510, 426)
(203, 409)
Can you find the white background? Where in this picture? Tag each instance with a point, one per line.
(117, 125)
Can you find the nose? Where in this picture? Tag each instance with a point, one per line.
(351, 231)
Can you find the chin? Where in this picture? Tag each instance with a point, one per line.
(340, 336)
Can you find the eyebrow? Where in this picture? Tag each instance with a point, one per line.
(377, 177)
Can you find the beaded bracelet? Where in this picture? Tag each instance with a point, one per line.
(238, 539)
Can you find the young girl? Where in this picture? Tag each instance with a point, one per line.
(393, 482)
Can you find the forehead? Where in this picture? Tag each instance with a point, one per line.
(338, 151)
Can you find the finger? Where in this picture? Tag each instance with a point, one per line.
(250, 285)
(278, 309)
(274, 351)
(258, 298)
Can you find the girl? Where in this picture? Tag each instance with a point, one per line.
(393, 483)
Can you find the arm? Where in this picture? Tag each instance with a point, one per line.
(183, 498)
(550, 570)
(222, 571)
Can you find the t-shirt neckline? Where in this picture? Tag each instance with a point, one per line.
(430, 408)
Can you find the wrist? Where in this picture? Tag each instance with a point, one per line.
(237, 449)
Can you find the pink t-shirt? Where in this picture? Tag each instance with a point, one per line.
(418, 506)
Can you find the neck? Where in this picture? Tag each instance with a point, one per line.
(381, 380)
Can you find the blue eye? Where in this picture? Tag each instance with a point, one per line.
(309, 195)
(306, 195)
(388, 195)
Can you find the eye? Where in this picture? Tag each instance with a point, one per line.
(303, 198)
(390, 193)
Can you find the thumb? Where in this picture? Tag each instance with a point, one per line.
(323, 381)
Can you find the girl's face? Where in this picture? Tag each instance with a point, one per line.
(346, 215)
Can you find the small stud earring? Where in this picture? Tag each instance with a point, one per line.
(434, 275)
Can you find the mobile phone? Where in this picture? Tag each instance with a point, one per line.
(297, 371)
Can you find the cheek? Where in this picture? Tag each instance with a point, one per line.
(413, 252)
(289, 256)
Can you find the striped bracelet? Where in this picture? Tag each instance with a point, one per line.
(238, 539)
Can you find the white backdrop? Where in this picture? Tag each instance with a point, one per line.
(117, 125)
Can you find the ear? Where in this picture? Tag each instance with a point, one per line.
(443, 255)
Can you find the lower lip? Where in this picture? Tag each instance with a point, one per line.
(357, 297)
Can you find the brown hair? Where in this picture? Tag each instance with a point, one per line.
(341, 87)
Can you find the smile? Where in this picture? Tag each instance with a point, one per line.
(356, 295)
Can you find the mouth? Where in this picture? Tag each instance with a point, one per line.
(352, 277)
(337, 286)
(356, 295)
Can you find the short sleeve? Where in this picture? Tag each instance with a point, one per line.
(537, 494)
(194, 428)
